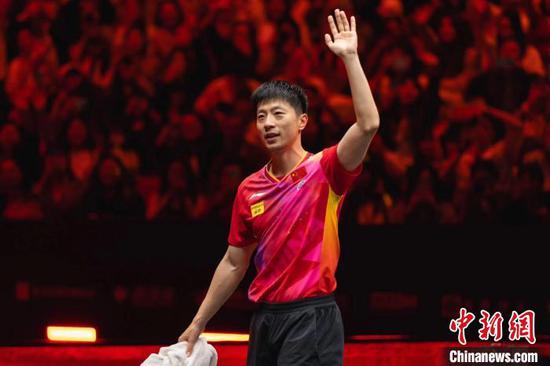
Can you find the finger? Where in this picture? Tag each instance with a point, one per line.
(328, 40)
(339, 20)
(190, 346)
(332, 25)
(344, 20)
(353, 25)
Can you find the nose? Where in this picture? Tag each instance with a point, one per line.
(269, 122)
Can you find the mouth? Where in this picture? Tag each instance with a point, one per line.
(271, 136)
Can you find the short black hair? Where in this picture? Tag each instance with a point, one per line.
(281, 90)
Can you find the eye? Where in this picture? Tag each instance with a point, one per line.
(260, 117)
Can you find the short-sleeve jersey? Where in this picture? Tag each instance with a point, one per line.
(294, 220)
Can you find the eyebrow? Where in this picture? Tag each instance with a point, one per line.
(271, 109)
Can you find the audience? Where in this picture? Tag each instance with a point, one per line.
(114, 109)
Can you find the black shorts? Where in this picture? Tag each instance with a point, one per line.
(298, 333)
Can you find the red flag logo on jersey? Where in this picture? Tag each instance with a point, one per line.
(298, 174)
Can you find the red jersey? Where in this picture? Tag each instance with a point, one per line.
(294, 220)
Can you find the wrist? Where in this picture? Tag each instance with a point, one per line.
(199, 322)
(350, 57)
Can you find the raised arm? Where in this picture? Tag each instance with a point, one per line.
(227, 277)
(353, 147)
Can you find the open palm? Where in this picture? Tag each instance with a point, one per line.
(344, 35)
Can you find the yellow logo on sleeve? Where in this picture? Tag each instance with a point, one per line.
(257, 209)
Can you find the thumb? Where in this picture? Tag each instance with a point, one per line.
(328, 40)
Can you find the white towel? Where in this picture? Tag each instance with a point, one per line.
(203, 355)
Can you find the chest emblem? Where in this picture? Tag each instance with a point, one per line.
(257, 209)
(298, 174)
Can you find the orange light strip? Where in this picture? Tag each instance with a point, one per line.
(225, 337)
(71, 334)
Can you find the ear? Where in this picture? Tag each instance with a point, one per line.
(302, 121)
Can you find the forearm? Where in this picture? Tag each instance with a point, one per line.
(363, 101)
(504, 116)
(305, 36)
(224, 282)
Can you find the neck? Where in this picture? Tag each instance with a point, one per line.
(284, 161)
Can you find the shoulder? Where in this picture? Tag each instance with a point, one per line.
(323, 154)
(317, 156)
(328, 153)
(252, 180)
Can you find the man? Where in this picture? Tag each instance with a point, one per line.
(288, 211)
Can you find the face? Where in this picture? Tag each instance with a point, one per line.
(424, 181)
(72, 82)
(422, 14)
(168, 15)
(505, 27)
(24, 41)
(401, 61)
(471, 59)
(9, 137)
(176, 176)
(127, 69)
(10, 175)
(89, 13)
(224, 25)
(480, 6)
(109, 173)
(134, 41)
(137, 105)
(191, 128)
(117, 138)
(241, 36)
(128, 11)
(447, 31)
(510, 50)
(77, 133)
(427, 149)
(57, 164)
(407, 92)
(278, 124)
(276, 9)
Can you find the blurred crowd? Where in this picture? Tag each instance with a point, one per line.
(140, 108)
